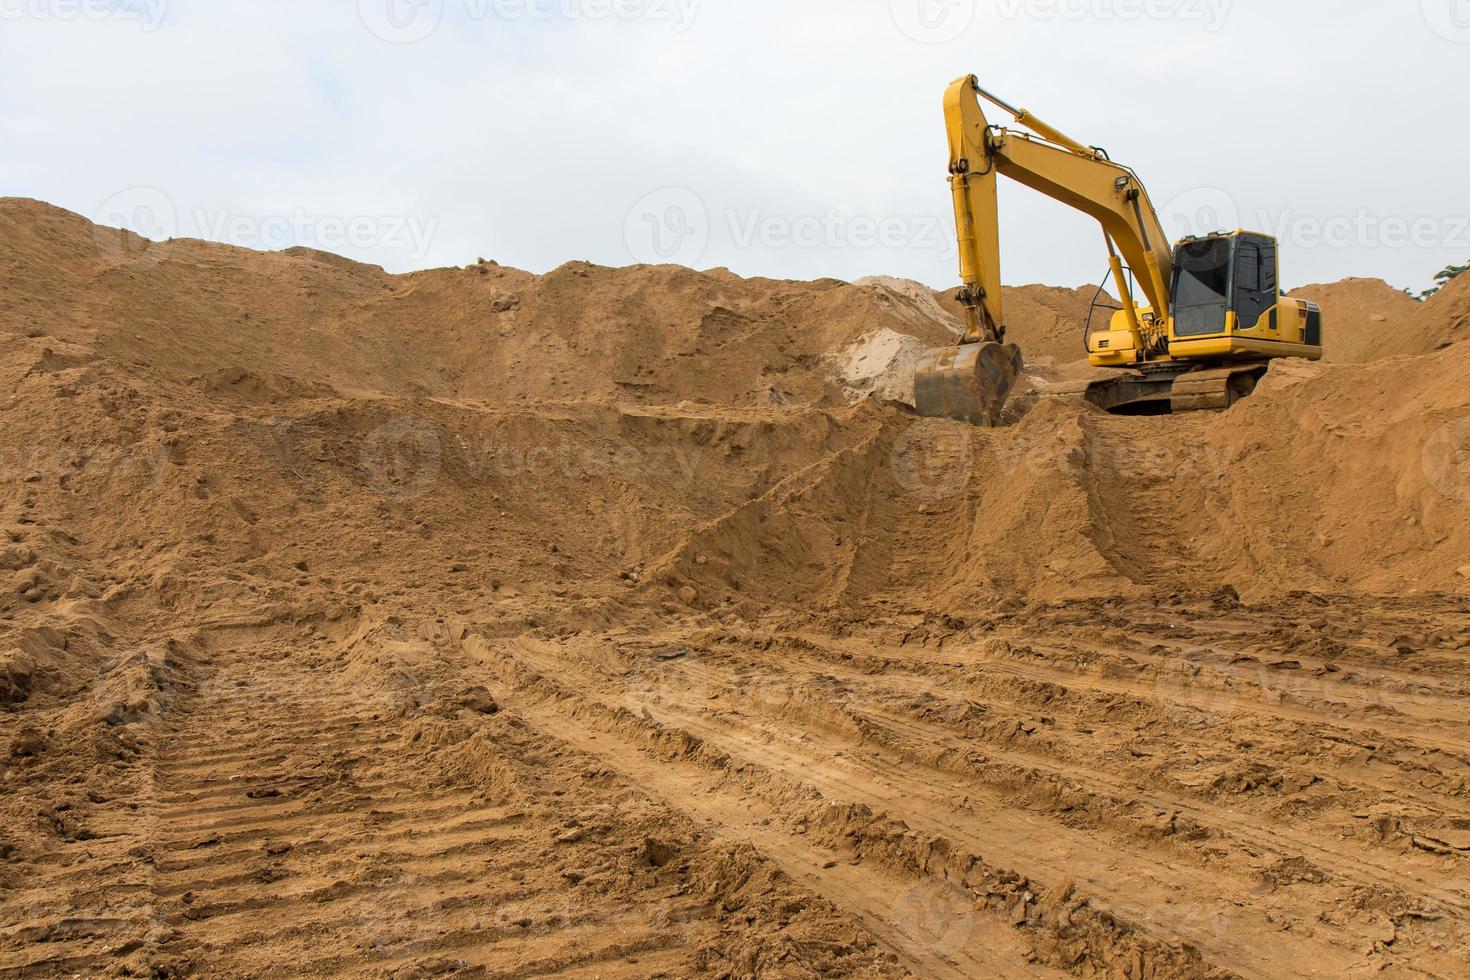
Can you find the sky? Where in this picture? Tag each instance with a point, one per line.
(792, 139)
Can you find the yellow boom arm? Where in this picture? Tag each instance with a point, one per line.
(1061, 168)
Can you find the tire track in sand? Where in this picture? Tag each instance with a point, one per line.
(1137, 879)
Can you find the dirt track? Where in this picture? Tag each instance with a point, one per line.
(338, 644)
(335, 798)
(997, 747)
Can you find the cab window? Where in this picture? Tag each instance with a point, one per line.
(1268, 267)
(1255, 286)
(1248, 268)
(1201, 287)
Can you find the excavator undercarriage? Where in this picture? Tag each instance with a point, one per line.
(1171, 389)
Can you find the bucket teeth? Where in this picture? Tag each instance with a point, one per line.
(969, 383)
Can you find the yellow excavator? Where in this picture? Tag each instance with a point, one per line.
(1212, 316)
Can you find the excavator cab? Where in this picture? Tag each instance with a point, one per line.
(1228, 303)
(1223, 283)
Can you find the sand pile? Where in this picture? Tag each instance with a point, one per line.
(1440, 321)
(488, 333)
(226, 391)
(1364, 470)
(287, 488)
(1362, 317)
(880, 365)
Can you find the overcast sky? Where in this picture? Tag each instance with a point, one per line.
(784, 138)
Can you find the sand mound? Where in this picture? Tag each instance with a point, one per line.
(489, 333)
(221, 385)
(479, 611)
(927, 309)
(881, 365)
(1440, 321)
(1363, 318)
(1070, 502)
(1368, 319)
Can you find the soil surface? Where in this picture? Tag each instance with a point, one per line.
(628, 623)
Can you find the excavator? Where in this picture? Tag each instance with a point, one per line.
(1211, 319)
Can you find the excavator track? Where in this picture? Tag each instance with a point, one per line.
(1172, 392)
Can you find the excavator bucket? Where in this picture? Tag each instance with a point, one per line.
(968, 384)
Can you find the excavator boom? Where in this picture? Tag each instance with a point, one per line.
(1057, 166)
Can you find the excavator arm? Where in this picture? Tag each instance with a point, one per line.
(1063, 169)
(971, 382)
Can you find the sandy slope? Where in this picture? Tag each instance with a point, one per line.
(473, 622)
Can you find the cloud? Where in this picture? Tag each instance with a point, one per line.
(810, 131)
